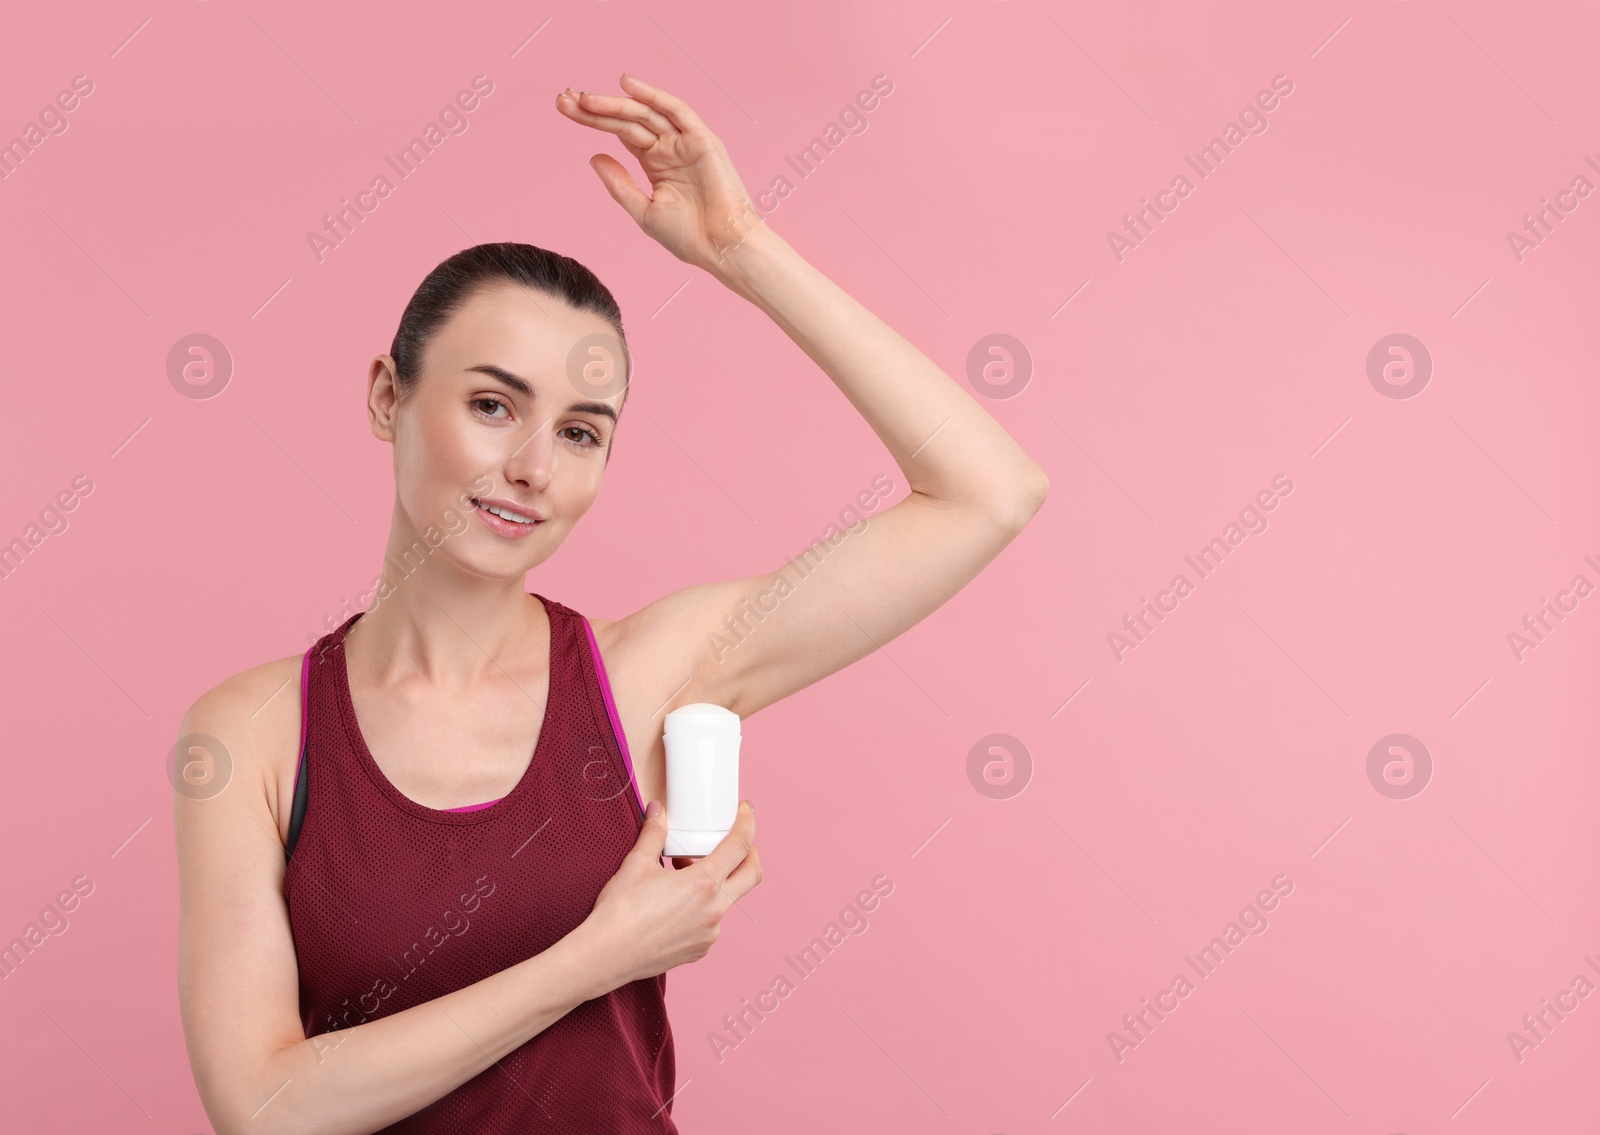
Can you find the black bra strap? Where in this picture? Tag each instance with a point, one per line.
(297, 813)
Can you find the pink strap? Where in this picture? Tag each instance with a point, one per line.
(611, 711)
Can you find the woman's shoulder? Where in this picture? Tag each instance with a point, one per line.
(254, 716)
(254, 691)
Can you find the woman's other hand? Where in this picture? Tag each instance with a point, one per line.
(697, 207)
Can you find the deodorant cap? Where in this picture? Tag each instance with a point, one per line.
(703, 715)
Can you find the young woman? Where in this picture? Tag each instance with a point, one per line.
(474, 925)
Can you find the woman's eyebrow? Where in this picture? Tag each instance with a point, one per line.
(523, 387)
(594, 408)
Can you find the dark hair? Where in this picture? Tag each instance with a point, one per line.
(457, 279)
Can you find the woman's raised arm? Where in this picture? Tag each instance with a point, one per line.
(972, 488)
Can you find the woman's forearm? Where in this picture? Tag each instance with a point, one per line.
(364, 1078)
(945, 443)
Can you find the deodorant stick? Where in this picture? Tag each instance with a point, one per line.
(702, 777)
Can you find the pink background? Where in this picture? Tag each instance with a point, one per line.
(1230, 347)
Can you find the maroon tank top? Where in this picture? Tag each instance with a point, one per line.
(392, 903)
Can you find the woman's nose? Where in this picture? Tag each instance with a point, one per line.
(529, 462)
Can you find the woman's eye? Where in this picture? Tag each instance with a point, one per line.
(586, 431)
(481, 402)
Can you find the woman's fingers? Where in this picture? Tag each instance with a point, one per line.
(634, 133)
(744, 877)
(676, 110)
(735, 846)
(623, 107)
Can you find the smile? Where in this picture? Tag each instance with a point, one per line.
(506, 521)
(514, 517)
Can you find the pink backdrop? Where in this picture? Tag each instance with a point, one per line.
(1436, 894)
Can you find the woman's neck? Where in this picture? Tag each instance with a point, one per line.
(446, 633)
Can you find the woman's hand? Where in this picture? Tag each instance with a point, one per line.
(697, 207)
(649, 918)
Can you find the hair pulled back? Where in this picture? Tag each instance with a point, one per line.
(458, 278)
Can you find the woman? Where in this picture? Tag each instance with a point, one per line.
(470, 936)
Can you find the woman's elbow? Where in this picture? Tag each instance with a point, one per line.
(1032, 489)
(235, 1103)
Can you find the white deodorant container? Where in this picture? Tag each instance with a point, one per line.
(702, 777)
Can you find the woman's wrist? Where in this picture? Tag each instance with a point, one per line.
(749, 257)
(595, 957)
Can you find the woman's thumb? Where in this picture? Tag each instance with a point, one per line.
(620, 184)
(653, 835)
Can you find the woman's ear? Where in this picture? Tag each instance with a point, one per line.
(383, 394)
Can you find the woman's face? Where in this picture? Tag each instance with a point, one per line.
(495, 416)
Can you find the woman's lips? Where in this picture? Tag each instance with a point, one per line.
(501, 526)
